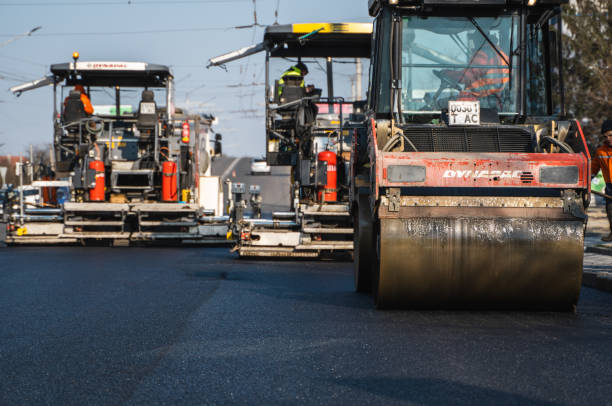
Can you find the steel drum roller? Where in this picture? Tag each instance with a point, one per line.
(499, 263)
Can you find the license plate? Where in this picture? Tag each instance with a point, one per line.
(463, 112)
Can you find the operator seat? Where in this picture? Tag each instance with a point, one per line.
(74, 110)
(147, 112)
(292, 90)
(300, 116)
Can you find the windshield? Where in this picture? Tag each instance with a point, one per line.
(449, 58)
(104, 103)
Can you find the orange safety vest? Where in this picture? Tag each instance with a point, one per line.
(602, 160)
(86, 104)
(486, 82)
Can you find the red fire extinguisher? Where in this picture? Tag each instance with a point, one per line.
(49, 193)
(186, 133)
(169, 190)
(96, 194)
(328, 192)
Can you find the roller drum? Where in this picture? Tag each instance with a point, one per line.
(492, 263)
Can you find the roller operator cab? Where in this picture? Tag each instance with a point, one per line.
(471, 184)
(311, 118)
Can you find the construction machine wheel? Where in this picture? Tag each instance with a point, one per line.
(470, 263)
(363, 245)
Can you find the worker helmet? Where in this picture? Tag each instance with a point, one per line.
(606, 126)
(302, 67)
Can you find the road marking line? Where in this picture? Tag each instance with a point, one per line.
(229, 168)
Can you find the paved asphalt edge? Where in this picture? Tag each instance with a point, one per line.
(598, 280)
(601, 280)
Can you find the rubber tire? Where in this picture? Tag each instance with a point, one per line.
(363, 246)
(376, 268)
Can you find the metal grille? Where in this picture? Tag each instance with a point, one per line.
(429, 138)
(527, 177)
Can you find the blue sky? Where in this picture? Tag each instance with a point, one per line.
(182, 33)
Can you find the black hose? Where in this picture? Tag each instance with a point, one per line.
(559, 143)
(394, 139)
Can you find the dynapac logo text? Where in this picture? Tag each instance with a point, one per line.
(481, 174)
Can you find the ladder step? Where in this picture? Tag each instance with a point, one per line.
(325, 230)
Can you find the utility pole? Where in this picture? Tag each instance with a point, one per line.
(31, 164)
(52, 158)
(21, 202)
(358, 73)
(330, 78)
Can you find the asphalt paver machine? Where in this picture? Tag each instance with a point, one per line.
(471, 184)
(312, 134)
(133, 167)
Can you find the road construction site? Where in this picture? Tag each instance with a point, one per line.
(199, 326)
(436, 242)
(105, 325)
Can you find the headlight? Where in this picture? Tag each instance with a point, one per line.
(566, 175)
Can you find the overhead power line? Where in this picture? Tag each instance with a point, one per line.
(246, 84)
(169, 30)
(23, 60)
(67, 34)
(14, 75)
(117, 2)
(10, 79)
(255, 23)
(276, 12)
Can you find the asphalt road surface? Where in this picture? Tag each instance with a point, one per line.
(146, 326)
(149, 326)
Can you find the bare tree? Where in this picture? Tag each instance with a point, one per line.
(588, 62)
(41, 161)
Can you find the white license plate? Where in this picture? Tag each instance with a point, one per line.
(463, 112)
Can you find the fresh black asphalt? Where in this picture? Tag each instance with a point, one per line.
(194, 326)
(147, 326)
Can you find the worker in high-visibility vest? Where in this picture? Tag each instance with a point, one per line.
(84, 99)
(300, 69)
(480, 81)
(603, 161)
(486, 82)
